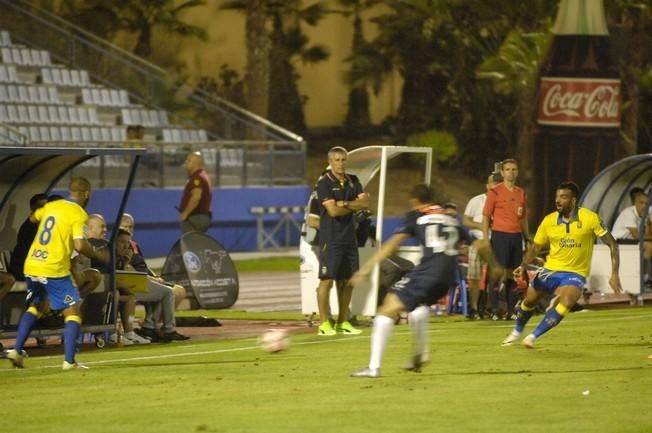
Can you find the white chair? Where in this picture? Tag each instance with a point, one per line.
(75, 133)
(44, 133)
(28, 94)
(115, 134)
(13, 93)
(65, 133)
(86, 133)
(23, 114)
(5, 39)
(66, 77)
(87, 97)
(106, 134)
(33, 114)
(45, 58)
(105, 97)
(83, 78)
(13, 114)
(96, 134)
(56, 77)
(54, 95)
(75, 79)
(123, 98)
(54, 114)
(92, 116)
(163, 118)
(43, 114)
(55, 133)
(39, 94)
(6, 55)
(46, 76)
(126, 116)
(69, 115)
(34, 133)
(4, 115)
(25, 56)
(82, 116)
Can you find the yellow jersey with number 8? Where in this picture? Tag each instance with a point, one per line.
(60, 222)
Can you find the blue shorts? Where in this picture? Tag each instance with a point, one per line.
(61, 292)
(422, 286)
(548, 281)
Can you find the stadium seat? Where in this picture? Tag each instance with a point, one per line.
(5, 39)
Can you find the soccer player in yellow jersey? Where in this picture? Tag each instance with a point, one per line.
(571, 232)
(48, 272)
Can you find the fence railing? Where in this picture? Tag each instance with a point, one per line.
(229, 163)
(12, 136)
(145, 82)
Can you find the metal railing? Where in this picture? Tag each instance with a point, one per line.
(228, 163)
(145, 82)
(12, 136)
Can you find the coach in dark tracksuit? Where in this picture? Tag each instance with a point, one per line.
(340, 195)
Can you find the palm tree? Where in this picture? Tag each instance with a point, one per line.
(358, 120)
(632, 19)
(258, 59)
(289, 44)
(136, 17)
(514, 70)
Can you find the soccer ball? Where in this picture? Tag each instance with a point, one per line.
(274, 340)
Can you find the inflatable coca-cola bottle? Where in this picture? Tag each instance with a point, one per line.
(578, 103)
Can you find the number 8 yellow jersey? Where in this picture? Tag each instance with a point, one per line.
(60, 222)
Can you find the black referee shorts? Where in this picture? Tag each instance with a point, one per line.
(508, 248)
(337, 261)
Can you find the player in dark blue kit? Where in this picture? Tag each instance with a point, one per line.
(439, 234)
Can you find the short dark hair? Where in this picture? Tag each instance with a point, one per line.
(35, 201)
(636, 191)
(508, 161)
(422, 192)
(571, 186)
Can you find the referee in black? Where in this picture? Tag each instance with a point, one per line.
(340, 195)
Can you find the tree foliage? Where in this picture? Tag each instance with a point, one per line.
(139, 18)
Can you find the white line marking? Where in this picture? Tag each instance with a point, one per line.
(304, 343)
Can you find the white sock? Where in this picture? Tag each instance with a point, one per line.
(418, 320)
(379, 337)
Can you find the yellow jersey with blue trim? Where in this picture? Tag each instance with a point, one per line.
(60, 223)
(571, 242)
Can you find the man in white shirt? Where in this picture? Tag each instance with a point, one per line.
(626, 227)
(473, 220)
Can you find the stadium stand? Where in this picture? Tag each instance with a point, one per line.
(49, 103)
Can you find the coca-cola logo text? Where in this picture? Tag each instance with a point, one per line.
(579, 102)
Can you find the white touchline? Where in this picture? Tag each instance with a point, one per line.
(304, 343)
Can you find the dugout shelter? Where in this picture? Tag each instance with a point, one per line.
(608, 194)
(25, 171)
(366, 163)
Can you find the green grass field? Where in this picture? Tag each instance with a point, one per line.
(471, 385)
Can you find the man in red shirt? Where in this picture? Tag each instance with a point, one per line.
(505, 211)
(195, 208)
